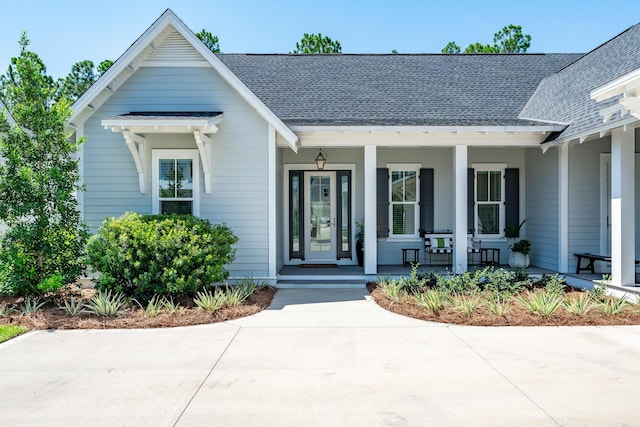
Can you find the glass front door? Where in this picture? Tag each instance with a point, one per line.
(320, 215)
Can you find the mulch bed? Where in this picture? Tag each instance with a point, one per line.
(517, 315)
(51, 317)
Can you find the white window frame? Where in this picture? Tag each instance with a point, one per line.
(489, 167)
(156, 156)
(400, 167)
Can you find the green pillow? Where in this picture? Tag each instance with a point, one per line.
(440, 242)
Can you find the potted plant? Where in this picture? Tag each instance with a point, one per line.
(360, 242)
(519, 256)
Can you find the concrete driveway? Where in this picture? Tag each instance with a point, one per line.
(323, 358)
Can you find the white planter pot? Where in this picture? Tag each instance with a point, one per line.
(518, 259)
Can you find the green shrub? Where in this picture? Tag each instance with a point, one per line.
(149, 255)
(106, 304)
(208, 301)
(541, 302)
(504, 281)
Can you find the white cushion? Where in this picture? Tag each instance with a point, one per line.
(444, 242)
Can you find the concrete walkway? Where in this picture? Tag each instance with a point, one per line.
(323, 358)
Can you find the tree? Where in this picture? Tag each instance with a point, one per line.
(43, 245)
(103, 67)
(511, 40)
(508, 40)
(209, 40)
(83, 74)
(316, 43)
(451, 47)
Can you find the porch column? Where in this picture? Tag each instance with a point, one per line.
(370, 217)
(273, 248)
(460, 209)
(563, 204)
(623, 208)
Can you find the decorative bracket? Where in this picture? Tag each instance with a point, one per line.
(136, 145)
(632, 103)
(204, 148)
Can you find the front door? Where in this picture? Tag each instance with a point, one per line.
(320, 215)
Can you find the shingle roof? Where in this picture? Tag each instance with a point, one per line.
(564, 96)
(396, 89)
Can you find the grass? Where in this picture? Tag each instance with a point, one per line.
(10, 331)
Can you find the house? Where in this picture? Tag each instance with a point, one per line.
(411, 144)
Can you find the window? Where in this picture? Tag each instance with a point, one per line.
(175, 182)
(404, 212)
(489, 215)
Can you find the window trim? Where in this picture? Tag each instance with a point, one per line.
(396, 167)
(164, 154)
(489, 167)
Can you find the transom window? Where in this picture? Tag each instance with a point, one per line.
(405, 214)
(489, 218)
(175, 182)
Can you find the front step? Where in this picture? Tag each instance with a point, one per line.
(321, 283)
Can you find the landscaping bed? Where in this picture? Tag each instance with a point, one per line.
(472, 299)
(132, 315)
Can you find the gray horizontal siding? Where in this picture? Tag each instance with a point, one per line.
(239, 168)
(541, 207)
(584, 197)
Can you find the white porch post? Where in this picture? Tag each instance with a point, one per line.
(370, 207)
(460, 209)
(271, 159)
(622, 208)
(563, 203)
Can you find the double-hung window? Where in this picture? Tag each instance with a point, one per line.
(175, 182)
(404, 207)
(489, 192)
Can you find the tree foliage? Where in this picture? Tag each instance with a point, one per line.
(209, 40)
(316, 43)
(38, 181)
(508, 40)
(83, 74)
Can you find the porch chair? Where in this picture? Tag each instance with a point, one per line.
(438, 244)
(474, 246)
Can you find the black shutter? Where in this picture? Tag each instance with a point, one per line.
(511, 197)
(382, 181)
(471, 200)
(426, 201)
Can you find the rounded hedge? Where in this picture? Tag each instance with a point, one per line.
(146, 255)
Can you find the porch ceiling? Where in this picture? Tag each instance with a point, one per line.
(530, 136)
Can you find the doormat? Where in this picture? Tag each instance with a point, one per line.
(318, 265)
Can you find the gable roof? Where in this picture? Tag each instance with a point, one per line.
(396, 89)
(144, 47)
(565, 96)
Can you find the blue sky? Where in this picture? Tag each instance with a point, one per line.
(63, 32)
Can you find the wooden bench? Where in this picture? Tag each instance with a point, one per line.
(592, 258)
